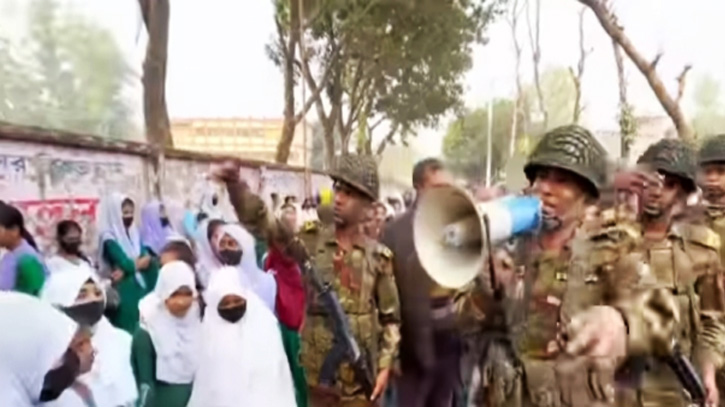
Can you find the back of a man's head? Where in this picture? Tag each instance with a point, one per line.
(423, 169)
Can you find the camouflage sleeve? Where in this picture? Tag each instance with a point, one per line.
(251, 211)
(650, 316)
(388, 304)
(710, 342)
(471, 303)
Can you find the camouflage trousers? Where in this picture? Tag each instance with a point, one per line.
(319, 398)
(547, 383)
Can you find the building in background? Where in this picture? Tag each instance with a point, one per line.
(242, 137)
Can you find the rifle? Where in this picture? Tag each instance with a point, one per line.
(344, 344)
(687, 375)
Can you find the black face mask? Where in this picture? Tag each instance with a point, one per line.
(62, 377)
(127, 221)
(233, 315)
(231, 257)
(87, 314)
(70, 246)
(165, 222)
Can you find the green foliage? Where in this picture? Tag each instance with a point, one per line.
(406, 58)
(465, 142)
(70, 76)
(709, 117)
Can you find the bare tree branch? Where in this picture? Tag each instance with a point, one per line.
(535, 38)
(387, 140)
(608, 22)
(579, 75)
(656, 60)
(513, 21)
(681, 83)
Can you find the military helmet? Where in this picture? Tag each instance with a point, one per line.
(572, 148)
(673, 156)
(360, 172)
(712, 150)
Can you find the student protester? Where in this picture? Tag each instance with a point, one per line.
(22, 268)
(167, 344)
(41, 349)
(110, 383)
(242, 362)
(70, 256)
(131, 266)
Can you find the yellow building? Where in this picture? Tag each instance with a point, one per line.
(243, 137)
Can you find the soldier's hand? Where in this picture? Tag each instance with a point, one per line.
(381, 383)
(227, 171)
(597, 333)
(712, 394)
(635, 181)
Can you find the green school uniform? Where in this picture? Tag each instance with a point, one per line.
(152, 392)
(31, 275)
(130, 291)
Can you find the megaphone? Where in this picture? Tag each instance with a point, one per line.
(452, 232)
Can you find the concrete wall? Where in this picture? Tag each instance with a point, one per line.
(53, 175)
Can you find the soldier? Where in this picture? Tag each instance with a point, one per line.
(711, 178)
(359, 270)
(682, 262)
(556, 280)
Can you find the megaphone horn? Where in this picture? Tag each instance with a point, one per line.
(451, 235)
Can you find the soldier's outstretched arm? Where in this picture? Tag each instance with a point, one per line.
(710, 344)
(388, 305)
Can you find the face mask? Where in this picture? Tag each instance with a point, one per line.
(231, 257)
(233, 315)
(71, 246)
(87, 314)
(127, 221)
(165, 222)
(62, 377)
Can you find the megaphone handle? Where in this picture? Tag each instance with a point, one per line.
(497, 293)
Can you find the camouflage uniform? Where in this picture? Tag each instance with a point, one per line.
(362, 278)
(681, 263)
(713, 151)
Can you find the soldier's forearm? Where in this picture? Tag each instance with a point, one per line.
(651, 317)
(250, 209)
(390, 342)
(710, 344)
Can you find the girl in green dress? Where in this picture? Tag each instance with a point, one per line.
(166, 346)
(131, 267)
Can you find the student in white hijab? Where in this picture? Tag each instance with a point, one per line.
(235, 247)
(42, 351)
(167, 345)
(110, 383)
(208, 231)
(243, 363)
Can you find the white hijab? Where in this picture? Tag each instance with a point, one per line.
(206, 259)
(111, 379)
(242, 364)
(35, 336)
(250, 275)
(111, 227)
(177, 341)
(60, 264)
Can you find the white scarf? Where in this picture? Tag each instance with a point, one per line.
(111, 227)
(206, 259)
(242, 364)
(177, 341)
(111, 379)
(250, 275)
(35, 336)
(60, 264)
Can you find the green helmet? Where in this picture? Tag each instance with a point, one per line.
(360, 172)
(712, 150)
(673, 156)
(572, 148)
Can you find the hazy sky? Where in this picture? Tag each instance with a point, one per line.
(218, 65)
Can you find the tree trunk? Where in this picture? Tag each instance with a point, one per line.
(609, 23)
(535, 38)
(156, 18)
(514, 23)
(579, 75)
(290, 48)
(626, 119)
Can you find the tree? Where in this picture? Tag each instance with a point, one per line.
(535, 42)
(709, 115)
(610, 24)
(515, 10)
(71, 76)
(373, 61)
(579, 74)
(558, 94)
(155, 14)
(465, 142)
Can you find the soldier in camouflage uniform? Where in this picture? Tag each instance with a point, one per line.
(711, 161)
(682, 256)
(359, 270)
